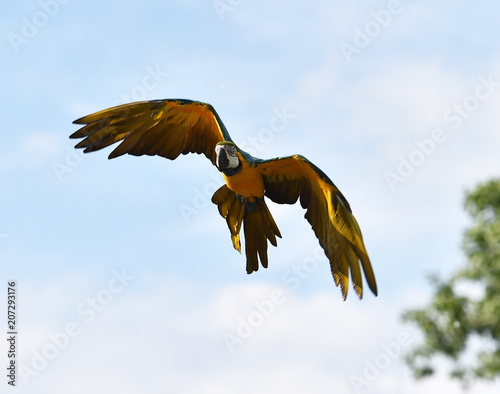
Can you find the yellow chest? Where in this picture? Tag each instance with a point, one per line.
(247, 183)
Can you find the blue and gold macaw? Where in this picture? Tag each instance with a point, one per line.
(168, 128)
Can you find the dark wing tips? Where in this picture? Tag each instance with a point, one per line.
(327, 210)
(362, 256)
(84, 119)
(104, 128)
(369, 274)
(344, 261)
(166, 128)
(78, 121)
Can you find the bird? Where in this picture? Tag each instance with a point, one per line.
(170, 127)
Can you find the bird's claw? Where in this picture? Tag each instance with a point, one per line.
(242, 199)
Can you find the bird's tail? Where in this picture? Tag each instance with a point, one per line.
(258, 225)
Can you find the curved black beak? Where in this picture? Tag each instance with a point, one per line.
(222, 160)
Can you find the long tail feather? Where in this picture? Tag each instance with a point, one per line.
(258, 225)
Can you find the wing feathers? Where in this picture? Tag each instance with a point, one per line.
(166, 128)
(231, 209)
(368, 270)
(328, 212)
(355, 271)
(235, 219)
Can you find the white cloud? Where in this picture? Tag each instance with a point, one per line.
(169, 336)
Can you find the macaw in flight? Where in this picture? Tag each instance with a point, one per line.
(170, 127)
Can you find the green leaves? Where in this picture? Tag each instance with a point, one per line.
(451, 319)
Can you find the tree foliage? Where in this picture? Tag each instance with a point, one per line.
(452, 319)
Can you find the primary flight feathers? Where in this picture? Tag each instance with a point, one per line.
(169, 128)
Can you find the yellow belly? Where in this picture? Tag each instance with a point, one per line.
(247, 183)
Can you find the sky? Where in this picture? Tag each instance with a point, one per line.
(125, 276)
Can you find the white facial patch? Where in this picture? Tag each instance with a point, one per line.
(231, 155)
(233, 160)
(218, 149)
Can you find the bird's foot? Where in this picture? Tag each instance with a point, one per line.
(242, 199)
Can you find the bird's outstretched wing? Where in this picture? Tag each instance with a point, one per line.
(159, 127)
(290, 178)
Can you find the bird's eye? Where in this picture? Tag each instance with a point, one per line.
(231, 150)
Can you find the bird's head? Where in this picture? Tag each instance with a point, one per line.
(226, 156)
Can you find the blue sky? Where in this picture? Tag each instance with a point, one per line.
(120, 290)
